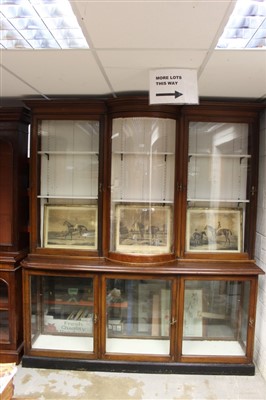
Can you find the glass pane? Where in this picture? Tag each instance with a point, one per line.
(69, 163)
(6, 190)
(217, 186)
(4, 312)
(62, 313)
(138, 316)
(3, 293)
(4, 326)
(215, 317)
(142, 185)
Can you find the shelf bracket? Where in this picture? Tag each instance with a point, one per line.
(253, 190)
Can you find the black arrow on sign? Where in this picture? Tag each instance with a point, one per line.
(176, 94)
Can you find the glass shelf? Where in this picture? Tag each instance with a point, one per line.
(218, 200)
(219, 155)
(67, 197)
(59, 153)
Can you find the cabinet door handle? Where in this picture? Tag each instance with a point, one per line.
(173, 321)
(95, 318)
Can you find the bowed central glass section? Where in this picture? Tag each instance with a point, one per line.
(142, 185)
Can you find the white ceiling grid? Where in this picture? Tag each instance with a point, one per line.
(129, 38)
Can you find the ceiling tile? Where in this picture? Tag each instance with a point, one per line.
(11, 86)
(128, 79)
(61, 72)
(163, 24)
(236, 74)
(151, 58)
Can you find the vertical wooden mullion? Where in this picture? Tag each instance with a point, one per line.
(251, 317)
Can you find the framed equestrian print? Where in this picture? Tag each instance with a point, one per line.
(71, 227)
(143, 229)
(214, 230)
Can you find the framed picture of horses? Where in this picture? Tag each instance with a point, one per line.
(70, 227)
(214, 230)
(143, 229)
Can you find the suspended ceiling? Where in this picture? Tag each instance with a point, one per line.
(127, 39)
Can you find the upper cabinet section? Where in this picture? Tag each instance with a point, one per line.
(134, 182)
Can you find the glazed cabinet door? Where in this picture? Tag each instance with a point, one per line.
(5, 319)
(137, 321)
(142, 186)
(64, 314)
(218, 319)
(221, 189)
(68, 189)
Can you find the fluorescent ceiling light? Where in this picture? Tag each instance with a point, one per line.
(246, 28)
(39, 24)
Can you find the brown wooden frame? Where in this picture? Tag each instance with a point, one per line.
(177, 265)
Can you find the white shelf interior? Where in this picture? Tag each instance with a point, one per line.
(64, 343)
(212, 348)
(138, 346)
(69, 159)
(218, 162)
(143, 160)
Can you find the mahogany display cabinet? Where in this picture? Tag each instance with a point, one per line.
(143, 224)
(14, 219)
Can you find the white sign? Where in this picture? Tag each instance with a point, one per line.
(173, 86)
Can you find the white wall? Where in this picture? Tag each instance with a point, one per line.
(260, 255)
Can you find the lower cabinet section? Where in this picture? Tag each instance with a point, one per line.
(11, 325)
(176, 322)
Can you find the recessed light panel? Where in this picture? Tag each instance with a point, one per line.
(39, 24)
(246, 28)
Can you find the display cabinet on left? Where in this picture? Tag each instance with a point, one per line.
(14, 235)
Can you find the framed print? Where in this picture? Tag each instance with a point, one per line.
(142, 229)
(193, 326)
(214, 230)
(70, 227)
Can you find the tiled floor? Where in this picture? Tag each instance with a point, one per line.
(45, 384)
